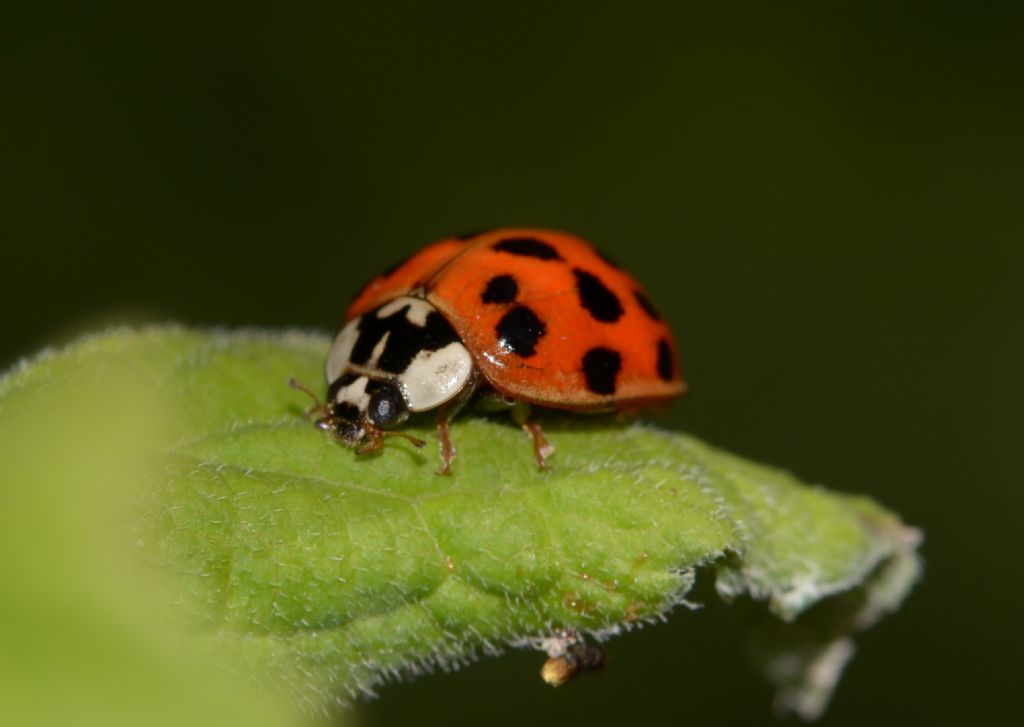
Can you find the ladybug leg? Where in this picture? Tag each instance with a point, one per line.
(444, 416)
(415, 441)
(542, 448)
(374, 441)
(447, 448)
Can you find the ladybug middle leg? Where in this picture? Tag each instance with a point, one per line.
(444, 416)
(447, 448)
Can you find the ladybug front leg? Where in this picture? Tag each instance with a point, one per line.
(542, 448)
(373, 442)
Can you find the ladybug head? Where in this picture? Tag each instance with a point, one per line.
(357, 414)
(360, 411)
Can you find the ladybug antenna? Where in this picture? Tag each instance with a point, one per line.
(416, 441)
(319, 406)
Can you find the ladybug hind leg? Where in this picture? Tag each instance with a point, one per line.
(542, 448)
(492, 401)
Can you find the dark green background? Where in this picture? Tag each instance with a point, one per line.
(825, 201)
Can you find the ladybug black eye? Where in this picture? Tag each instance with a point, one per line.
(386, 406)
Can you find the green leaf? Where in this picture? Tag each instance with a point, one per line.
(263, 545)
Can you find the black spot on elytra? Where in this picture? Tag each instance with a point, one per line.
(600, 368)
(406, 339)
(647, 305)
(519, 330)
(527, 247)
(340, 383)
(602, 303)
(500, 289)
(665, 360)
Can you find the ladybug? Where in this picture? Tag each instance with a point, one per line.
(512, 318)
